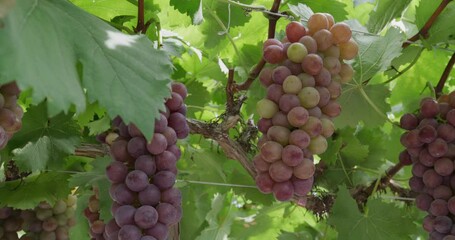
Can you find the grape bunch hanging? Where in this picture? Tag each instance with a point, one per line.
(430, 148)
(44, 222)
(10, 112)
(303, 83)
(145, 202)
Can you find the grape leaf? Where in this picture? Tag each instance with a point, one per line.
(440, 31)
(119, 70)
(195, 203)
(376, 53)
(107, 10)
(380, 220)
(336, 8)
(44, 141)
(384, 12)
(27, 193)
(424, 10)
(96, 177)
(363, 103)
(219, 220)
(190, 8)
(80, 230)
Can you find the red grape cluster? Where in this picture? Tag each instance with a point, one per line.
(296, 115)
(143, 174)
(430, 148)
(92, 213)
(45, 222)
(10, 112)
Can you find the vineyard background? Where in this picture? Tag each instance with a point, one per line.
(64, 56)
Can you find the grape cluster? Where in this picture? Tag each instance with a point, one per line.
(45, 222)
(92, 213)
(302, 88)
(10, 112)
(143, 175)
(430, 148)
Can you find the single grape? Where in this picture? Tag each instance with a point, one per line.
(444, 166)
(280, 73)
(124, 215)
(332, 64)
(312, 64)
(145, 217)
(317, 22)
(270, 42)
(305, 169)
(264, 182)
(423, 201)
(158, 144)
(164, 180)
(274, 92)
(266, 108)
(129, 232)
(265, 76)
(151, 195)
(438, 207)
(145, 163)
(136, 180)
(299, 138)
(297, 116)
(348, 50)
(309, 97)
(167, 214)
(310, 44)
(307, 80)
(297, 52)
(274, 54)
(318, 145)
(283, 191)
(292, 155)
(116, 172)
(323, 78)
(294, 31)
(280, 172)
(341, 33)
(279, 134)
(292, 84)
(313, 126)
(324, 40)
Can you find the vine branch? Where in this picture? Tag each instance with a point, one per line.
(424, 31)
(445, 76)
(140, 16)
(271, 34)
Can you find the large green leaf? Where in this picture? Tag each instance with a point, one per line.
(384, 12)
(27, 193)
(107, 9)
(124, 73)
(379, 221)
(44, 142)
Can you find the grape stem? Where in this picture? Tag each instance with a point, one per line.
(445, 75)
(271, 34)
(423, 33)
(140, 17)
(364, 192)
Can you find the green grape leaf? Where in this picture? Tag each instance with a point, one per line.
(380, 220)
(97, 173)
(96, 177)
(336, 8)
(353, 151)
(376, 53)
(44, 142)
(218, 218)
(302, 11)
(441, 31)
(108, 10)
(195, 203)
(334, 145)
(363, 103)
(191, 8)
(28, 192)
(119, 71)
(80, 230)
(384, 12)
